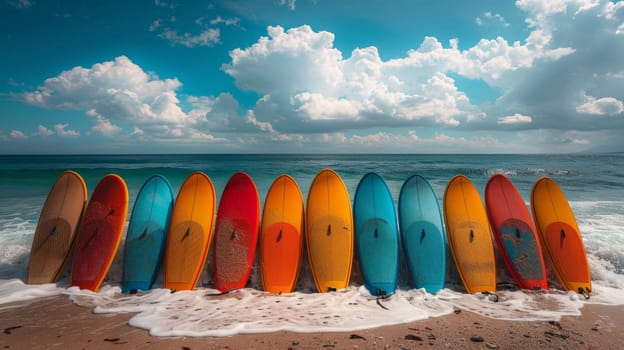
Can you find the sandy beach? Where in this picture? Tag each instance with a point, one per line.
(56, 322)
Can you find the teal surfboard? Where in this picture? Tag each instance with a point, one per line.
(422, 234)
(376, 235)
(146, 236)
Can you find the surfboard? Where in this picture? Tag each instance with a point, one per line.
(329, 231)
(514, 233)
(376, 235)
(422, 234)
(281, 236)
(147, 233)
(56, 229)
(236, 233)
(190, 232)
(100, 233)
(469, 236)
(560, 235)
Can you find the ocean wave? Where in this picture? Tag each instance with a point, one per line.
(538, 172)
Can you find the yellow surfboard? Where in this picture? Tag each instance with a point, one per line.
(190, 232)
(469, 235)
(329, 231)
(281, 236)
(560, 236)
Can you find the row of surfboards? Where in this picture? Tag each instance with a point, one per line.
(178, 234)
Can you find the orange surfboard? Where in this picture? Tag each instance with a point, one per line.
(190, 232)
(56, 229)
(100, 233)
(560, 235)
(281, 236)
(469, 235)
(329, 231)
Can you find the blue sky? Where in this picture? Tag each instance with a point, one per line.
(531, 76)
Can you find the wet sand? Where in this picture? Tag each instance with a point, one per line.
(57, 323)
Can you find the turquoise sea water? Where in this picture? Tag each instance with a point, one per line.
(593, 184)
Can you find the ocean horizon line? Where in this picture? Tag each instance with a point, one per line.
(309, 154)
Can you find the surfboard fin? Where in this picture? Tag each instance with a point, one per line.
(563, 235)
(422, 235)
(186, 234)
(329, 229)
(471, 236)
(584, 292)
(381, 295)
(143, 235)
(95, 233)
(376, 234)
(52, 233)
(279, 236)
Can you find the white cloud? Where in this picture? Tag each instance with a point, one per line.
(601, 106)
(610, 9)
(359, 89)
(43, 131)
(118, 95)
(488, 60)
(61, 131)
(263, 126)
(197, 135)
(515, 119)
(21, 4)
(491, 18)
(337, 92)
(543, 8)
(220, 20)
(290, 3)
(155, 25)
(105, 127)
(405, 141)
(307, 58)
(113, 90)
(160, 3)
(320, 107)
(267, 128)
(16, 134)
(549, 91)
(208, 37)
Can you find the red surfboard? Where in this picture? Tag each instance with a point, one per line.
(236, 233)
(515, 234)
(99, 233)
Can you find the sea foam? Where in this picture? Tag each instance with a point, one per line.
(206, 312)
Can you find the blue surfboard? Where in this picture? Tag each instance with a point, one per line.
(376, 235)
(422, 234)
(146, 236)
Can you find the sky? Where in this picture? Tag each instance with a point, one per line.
(310, 76)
